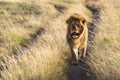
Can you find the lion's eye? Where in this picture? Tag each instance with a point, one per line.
(78, 25)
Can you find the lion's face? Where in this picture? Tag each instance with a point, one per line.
(75, 28)
(76, 25)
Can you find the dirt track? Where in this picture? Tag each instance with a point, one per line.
(82, 70)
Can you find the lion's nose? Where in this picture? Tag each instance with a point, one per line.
(75, 27)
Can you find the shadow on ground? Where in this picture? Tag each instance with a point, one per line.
(79, 72)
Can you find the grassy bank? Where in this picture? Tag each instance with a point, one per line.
(21, 22)
(104, 59)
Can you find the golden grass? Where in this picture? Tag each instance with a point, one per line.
(22, 20)
(45, 59)
(104, 57)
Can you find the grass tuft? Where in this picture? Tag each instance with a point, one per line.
(104, 57)
(12, 6)
(19, 39)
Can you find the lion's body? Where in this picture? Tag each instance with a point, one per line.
(77, 36)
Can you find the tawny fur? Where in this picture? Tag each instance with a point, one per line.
(77, 36)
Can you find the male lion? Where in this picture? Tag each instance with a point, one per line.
(77, 36)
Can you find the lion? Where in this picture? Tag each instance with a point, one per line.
(77, 37)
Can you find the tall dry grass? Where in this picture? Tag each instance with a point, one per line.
(104, 57)
(22, 21)
(45, 59)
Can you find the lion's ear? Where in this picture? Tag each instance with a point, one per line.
(68, 21)
(83, 20)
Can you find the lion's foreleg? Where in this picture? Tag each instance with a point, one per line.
(74, 52)
(79, 53)
(83, 52)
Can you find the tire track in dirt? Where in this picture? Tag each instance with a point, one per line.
(82, 71)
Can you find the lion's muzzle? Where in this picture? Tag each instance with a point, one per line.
(75, 35)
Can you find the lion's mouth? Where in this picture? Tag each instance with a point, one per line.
(75, 35)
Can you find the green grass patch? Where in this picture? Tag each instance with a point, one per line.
(19, 8)
(12, 6)
(19, 39)
(3, 12)
(25, 9)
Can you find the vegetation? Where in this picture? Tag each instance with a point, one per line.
(33, 39)
(104, 57)
(21, 20)
(44, 58)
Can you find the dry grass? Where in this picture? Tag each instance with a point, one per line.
(104, 59)
(20, 22)
(45, 59)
